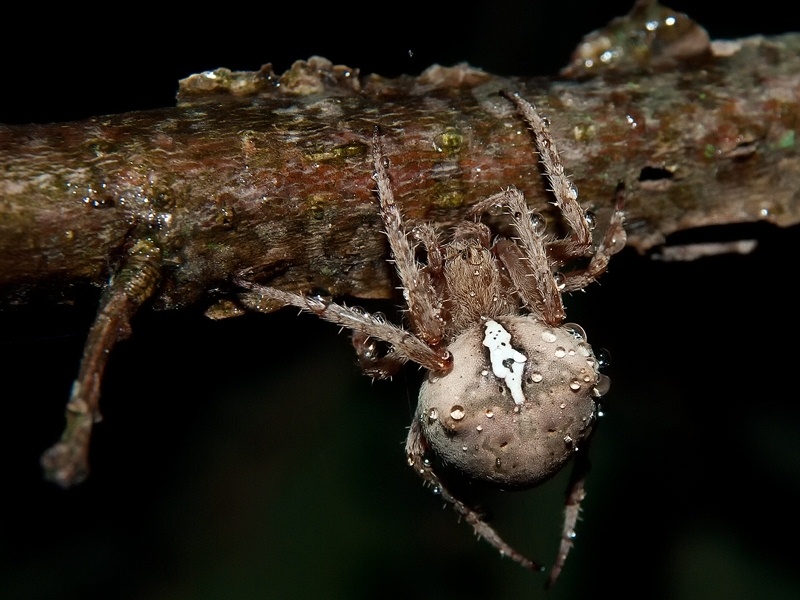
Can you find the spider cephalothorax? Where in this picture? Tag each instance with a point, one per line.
(511, 389)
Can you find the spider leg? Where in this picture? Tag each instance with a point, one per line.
(416, 450)
(575, 494)
(407, 346)
(422, 301)
(564, 191)
(529, 268)
(375, 361)
(426, 233)
(613, 241)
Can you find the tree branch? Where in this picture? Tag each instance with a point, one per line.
(270, 173)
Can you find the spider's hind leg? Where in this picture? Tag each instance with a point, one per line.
(576, 491)
(417, 451)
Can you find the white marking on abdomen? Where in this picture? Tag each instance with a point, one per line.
(507, 363)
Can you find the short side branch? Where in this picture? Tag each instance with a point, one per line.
(66, 463)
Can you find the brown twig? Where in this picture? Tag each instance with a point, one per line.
(271, 175)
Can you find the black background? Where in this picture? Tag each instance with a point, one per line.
(249, 458)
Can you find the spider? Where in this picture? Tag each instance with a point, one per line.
(511, 391)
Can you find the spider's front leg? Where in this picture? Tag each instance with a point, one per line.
(424, 304)
(613, 241)
(527, 262)
(406, 345)
(565, 193)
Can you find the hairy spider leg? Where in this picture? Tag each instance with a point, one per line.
(564, 191)
(424, 311)
(576, 492)
(530, 270)
(613, 241)
(416, 450)
(407, 345)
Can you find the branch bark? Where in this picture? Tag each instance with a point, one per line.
(272, 173)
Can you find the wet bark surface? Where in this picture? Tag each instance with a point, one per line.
(272, 172)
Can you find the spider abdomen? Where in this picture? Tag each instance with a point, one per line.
(520, 399)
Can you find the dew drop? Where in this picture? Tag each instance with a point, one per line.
(379, 317)
(587, 378)
(536, 377)
(489, 413)
(560, 352)
(479, 428)
(571, 535)
(316, 304)
(603, 357)
(574, 385)
(436, 490)
(464, 448)
(561, 282)
(573, 190)
(498, 463)
(485, 372)
(496, 209)
(385, 162)
(618, 242)
(575, 331)
(549, 336)
(602, 386)
(538, 223)
(457, 412)
(369, 350)
(433, 414)
(562, 406)
(591, 219)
